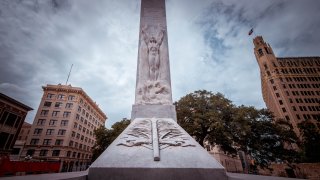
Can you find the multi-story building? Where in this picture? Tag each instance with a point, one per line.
(290, 85)
(21, 141)
(63, 128)
(12, 116)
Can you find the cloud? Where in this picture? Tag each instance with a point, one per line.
(208, 46)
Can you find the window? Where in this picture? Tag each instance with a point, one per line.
(47, 104)
(44, 112)
(274, 88)
(53, 122)
(37, 131)
(298, 117)
(79, 109)
(69, 105)
(58, 104)
(34, 141)
(78, 135)
(66, 114)
(77, 117)
(71, 143)
(30, 152)
(75, 125)
(46, 141)
(61, 132)
(41, 122)
(271, 80)
(68, 153)
(280, 102)
(81, 101)
(50, 96)
(260, 52)
(50, 131)
(294, 108)
(64, 122)
(74, 154)
(71, 98)
(43, 152)
(60, 96)
(55, 113)
(277, 94)
(284, 110)
(73, 134)
(76, 145)
(59, 142)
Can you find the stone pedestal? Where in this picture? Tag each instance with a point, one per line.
(156, 149)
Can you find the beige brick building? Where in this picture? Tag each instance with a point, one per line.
(63, 127)
(290, 85)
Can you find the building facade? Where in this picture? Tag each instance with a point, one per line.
(63, 127)
(232, 163)
(21, 141)
(290, 85)
(12, 116)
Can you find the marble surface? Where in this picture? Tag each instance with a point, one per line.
(153, 84)
(132, 154)
(154, 110)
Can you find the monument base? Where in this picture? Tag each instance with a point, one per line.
(155, 148)
(153, 111)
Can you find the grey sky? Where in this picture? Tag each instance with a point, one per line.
(209, 46)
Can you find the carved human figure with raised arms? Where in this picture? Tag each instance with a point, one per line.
(153, 45)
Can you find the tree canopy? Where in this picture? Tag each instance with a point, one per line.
(310, 141)
(105, 136)
(212, 118)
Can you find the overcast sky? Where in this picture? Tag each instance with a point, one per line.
(209, 47)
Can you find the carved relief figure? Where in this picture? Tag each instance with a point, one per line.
(153, 43)
(153, 86)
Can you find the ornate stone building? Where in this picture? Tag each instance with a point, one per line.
(290, 85)
(12, 115)
(63, 127)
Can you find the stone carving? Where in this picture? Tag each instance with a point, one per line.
(138, 135)
(155, 134)
(153, 41)
(171, 135)
(153, 92)
(153, 86)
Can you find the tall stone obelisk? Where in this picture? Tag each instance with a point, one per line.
(153, 97)
(154, 146)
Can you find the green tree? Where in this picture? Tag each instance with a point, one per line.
(263, 138)
(213, 118)
(310, 141)
(201, 113)
(105, 136)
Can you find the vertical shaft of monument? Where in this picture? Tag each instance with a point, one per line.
(155, 141)
(153, 84)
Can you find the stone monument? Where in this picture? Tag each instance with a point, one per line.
(154, 146)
